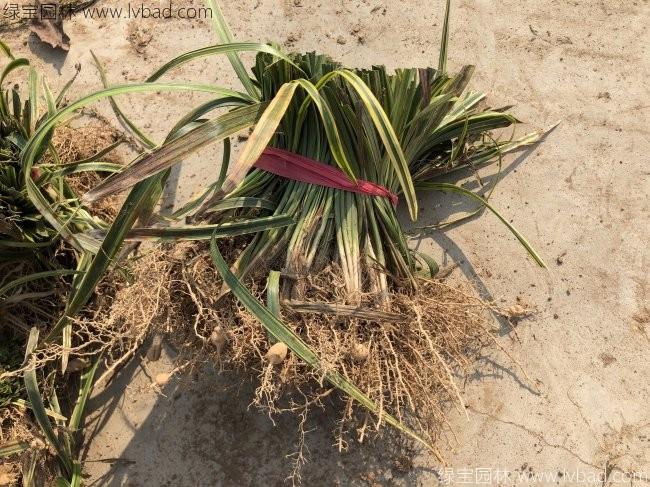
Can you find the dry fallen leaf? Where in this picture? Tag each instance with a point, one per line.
(48, 25)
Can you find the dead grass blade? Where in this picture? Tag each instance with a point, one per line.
(346, 310)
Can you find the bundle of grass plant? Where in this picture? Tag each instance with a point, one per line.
(34, 253)
(332, 149)
(397, 131)
(377, 136)
(48, 245)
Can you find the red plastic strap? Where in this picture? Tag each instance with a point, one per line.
(300, 168)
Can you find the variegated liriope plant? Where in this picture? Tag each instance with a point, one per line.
(401, 130)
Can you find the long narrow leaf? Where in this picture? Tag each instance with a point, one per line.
(452, 188)
(84, 392)
(77, 168)
(33, 84)
(230, 48)
(35, 277)
(442, 61)
(5, 50)
(337, 309)
(52, 414)
(329, 124)
(225, 35)
(12, 448)
(173, 152)
(76, 479)
(38, 408)
(144, 139)
(262, 134)
(242, 202)
(205, 232)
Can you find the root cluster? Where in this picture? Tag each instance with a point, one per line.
(409, 363)
(78, 143)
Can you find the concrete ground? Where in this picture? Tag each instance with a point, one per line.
(579, 413)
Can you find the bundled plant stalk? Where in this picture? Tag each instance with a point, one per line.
(398, 131)
(378, 137)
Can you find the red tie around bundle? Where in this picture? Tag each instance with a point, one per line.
(300, 168)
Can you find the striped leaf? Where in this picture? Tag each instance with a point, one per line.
(175, 151)
(12, 448)
(259, 139)
(205, 232)
(38, 408)
(386, 133)
(231, 49)
(35, 277)
(444, 42)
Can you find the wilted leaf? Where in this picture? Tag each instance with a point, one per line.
(48, 25)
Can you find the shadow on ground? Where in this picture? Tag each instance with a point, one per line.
(200, 430)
